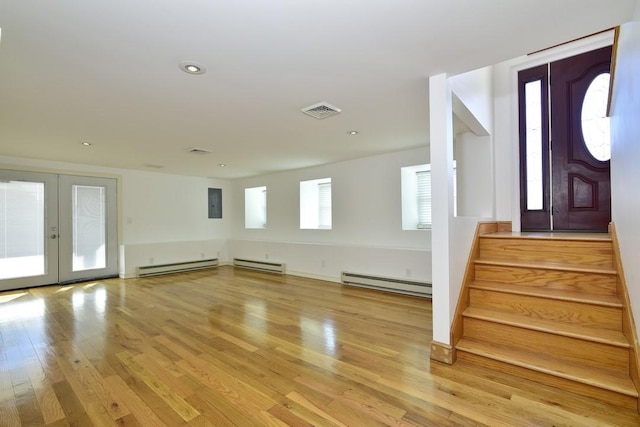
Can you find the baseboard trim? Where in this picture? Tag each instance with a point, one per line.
(314, 276)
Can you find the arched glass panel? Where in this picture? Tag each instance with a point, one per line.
(595, 123)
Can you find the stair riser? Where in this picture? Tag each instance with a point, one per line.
(568, 349)
(575, 253)
(591, 283)
(608, 396)
(548, 309)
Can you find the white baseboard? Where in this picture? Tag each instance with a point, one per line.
(313, 276)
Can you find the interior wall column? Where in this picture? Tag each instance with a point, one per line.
(441, 146)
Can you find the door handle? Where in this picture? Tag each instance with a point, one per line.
(53, 236)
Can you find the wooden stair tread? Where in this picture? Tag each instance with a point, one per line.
(593, 237)
(547, 266)
(608, 380)
(545, 292)
(603, 336)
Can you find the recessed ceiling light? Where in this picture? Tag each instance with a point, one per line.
(222, 165)
(86, 144)
(353, 132)
(192, 67)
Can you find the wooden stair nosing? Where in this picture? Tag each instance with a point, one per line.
(546, 266)
(542, 292)
(602, 336)
(596, 378)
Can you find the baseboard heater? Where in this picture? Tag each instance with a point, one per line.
(176, 267)
(272, 267)
(402, 286)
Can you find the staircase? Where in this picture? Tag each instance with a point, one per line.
(545, 307)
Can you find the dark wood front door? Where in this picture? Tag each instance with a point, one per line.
(581, 196)
(574, 168)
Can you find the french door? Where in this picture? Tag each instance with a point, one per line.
(565, 144)
(56, 229)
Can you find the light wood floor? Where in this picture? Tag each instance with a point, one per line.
(234, 347)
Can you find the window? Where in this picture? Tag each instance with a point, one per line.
(416, 196)
(534, 144)
(315, 204)
(595, 125)
(255, 207)
(424, 198)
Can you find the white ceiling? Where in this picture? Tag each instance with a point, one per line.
(107, 72)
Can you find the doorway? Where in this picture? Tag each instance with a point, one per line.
(565, 144)
(56, 229)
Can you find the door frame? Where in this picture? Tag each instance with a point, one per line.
(547, 56)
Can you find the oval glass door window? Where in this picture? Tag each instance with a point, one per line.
(595, 123)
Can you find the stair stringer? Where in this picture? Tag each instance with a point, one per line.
(628, 324)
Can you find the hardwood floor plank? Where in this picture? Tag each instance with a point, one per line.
(138, 408)
(9, 415)
(181, 384)
(6, 387)
(557, 416)
(179, 405)
(353, 398)
(85, 375)
(306, 403)
(45, 396)
(224, 383)
(71, 405)
(25, 397)
(287, 417)
(226, 347)
(90, 402)
(222, 412)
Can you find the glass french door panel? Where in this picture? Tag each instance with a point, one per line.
(28, 229)
(89, 227)
(22, 225)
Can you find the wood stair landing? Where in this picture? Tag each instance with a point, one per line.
(544, 306)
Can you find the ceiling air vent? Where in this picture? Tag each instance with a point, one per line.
(197, 150)
(321, 110)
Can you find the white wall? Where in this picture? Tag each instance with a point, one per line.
(159, 207)
(474, 173)
(162, 218)
(366, 234)
(165, 220)
(474, 89)
(625, 155)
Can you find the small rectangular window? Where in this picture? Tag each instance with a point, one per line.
(315, 204)
(255, 207)
(424, 198)
(416, 196)
(324, 205)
